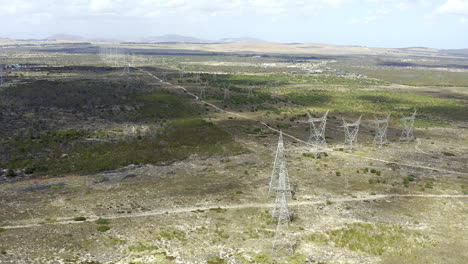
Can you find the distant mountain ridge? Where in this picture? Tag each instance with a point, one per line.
(174, 38)
(65, 37)
(163, 38)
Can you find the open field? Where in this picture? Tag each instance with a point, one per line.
(99, 166)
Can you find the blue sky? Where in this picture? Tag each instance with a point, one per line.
(376, 23)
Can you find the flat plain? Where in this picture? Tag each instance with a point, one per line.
(104, 166)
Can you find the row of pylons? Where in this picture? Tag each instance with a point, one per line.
(279, 179)
(202, 94)
(317, 131)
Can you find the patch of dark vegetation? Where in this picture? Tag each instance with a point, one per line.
(310, 98)
(410, 64)
(42, 147)
(169, 52)
(379, 99)
(75, 68)
(43, 187)
(177, 141)
(79, 218)
(454, 112)
(216, 260)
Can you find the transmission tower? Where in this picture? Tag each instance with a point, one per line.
(202, 92)
(226, 92)
(250, 95)
(126, 70)
(279, 179)
(274, 92)
(351, 132)
(282, 239)
(408, 123)
(317, 133)
(381, 131)
(1, 74)
(281, 211)
(132, 56)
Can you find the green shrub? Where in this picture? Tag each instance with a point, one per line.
(29, 170)
(141, 248)
(429, 185)
(173, 234)
(103, 228)
(79, 218)
(216, 260)
(338, 173)
(406, 182)
(10, 173)
(102, 221)
(221, 233)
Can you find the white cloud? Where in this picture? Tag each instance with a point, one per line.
(454, 7)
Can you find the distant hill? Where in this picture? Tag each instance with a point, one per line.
(174, 38)
(239, 40)
(65, 37)
(456, 52)
(188, 39)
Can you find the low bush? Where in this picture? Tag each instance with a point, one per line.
(103, 228)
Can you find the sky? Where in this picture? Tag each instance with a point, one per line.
(375, 23)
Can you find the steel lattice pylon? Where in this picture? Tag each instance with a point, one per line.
(408, 123)
(317, 133)
(281, 210)
(279, 179)
(226, 92)
(381, 126)
(282, 239)
(126, 70)
(1, 74)
(202, 92)
(250, 94)
(351, 131)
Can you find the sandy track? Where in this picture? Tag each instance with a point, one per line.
(300, 140)
(64, 221)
